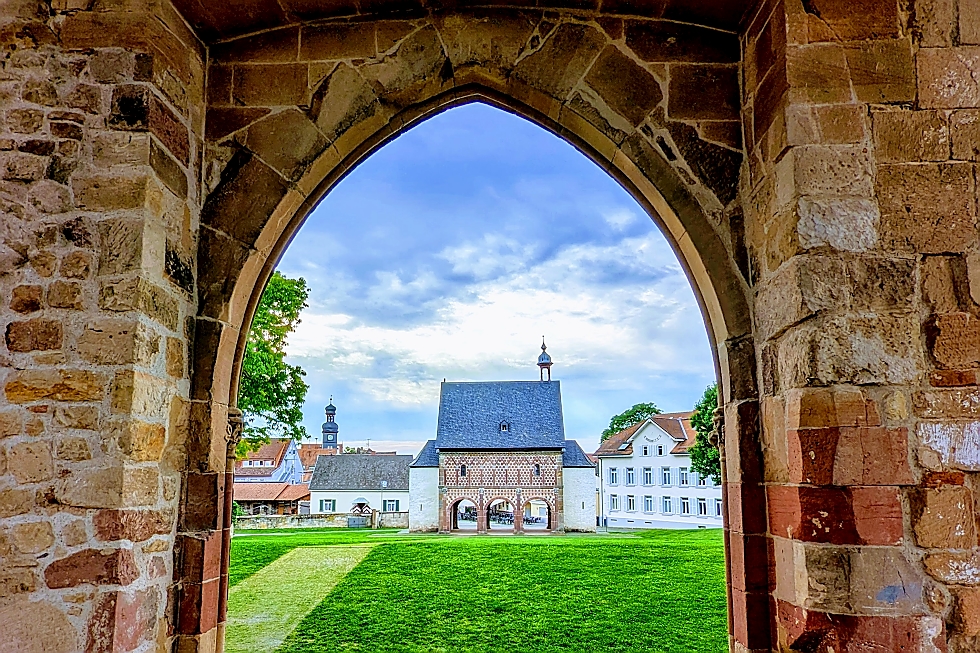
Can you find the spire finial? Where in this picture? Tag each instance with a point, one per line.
(544, 347)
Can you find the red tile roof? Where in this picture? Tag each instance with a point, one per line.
(308, 455)
(677, 425)
(270, 492)
(273, 451)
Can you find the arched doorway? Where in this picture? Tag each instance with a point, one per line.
(500, 516)
(537, 516)
(464, 515)
(264, 186)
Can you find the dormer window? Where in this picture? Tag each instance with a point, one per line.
(504, 427)
(462, 470)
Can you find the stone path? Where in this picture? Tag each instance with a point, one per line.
(265, 607)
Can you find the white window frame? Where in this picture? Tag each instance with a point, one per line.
(631, 502)
(648, 475)
(667, 505)
(613, 502)
(702, 480)
(630, 476)
(666, 476)
(702, 507)
(717, 507)
(331, 502)
(685, 505)
(613, 476)
(389, 503)
(660, 449)
(646, 450)
(684, 477)
(648, 504)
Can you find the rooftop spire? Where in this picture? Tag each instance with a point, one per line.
(544, 360)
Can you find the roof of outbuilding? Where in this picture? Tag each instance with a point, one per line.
(574, 456)
(354, 471)
(275, 450)
(471, 414)
(428, 456)
(308, 455)
(270, 492)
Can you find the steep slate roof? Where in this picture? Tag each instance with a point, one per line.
(353, 471)
(274, 451)
(470, 415)
(428, 457)
(677, 426)
(574, 456)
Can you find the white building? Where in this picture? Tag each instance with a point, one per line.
(645, 478)
(275, 462)
(359, 483)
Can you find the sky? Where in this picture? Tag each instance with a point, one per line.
(450, 251)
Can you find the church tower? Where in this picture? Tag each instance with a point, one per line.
(544, 360)
(330, 428)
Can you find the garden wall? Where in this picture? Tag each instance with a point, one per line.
(264, 522)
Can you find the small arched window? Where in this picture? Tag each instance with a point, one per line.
(504, 427)
(537, 470)
(462, 470)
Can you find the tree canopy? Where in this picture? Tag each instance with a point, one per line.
(271, 391)
(628, 418)
(705, 458)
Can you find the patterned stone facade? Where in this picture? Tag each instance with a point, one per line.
(516, 477)
(813, 164)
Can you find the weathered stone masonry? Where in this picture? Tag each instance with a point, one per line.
(813, 164)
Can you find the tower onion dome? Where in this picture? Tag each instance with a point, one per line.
(544, 358)
(330, 426)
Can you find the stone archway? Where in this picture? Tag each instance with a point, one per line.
(824, 204)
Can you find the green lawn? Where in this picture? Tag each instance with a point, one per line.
(659, 591)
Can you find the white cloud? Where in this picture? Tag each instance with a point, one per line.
(619, 218)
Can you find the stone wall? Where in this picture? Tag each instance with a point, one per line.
(265, 522)
(860, 201)
(100, 144)
(831, 240)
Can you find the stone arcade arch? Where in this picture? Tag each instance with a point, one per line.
(811, 163)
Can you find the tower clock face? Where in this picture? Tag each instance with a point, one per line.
(330, 437)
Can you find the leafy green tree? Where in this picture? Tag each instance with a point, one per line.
(271, 391)
(705, 458)
(237, 510)
(628, 418)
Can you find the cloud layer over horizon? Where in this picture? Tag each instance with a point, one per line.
(450, 251)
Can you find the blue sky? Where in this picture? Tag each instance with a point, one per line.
(451, 251)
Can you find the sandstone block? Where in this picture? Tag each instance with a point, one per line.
(336, 41)
(343, 98)
(76, 265)
(15, 501)
(166, 126)
(133, 525)
(945, 445)
(965, 128)
(108, 567)
(939, 404)
(86, 97)
(881, 284)
(65, 294)
(805, 286)
(942, 283)
(50, 197)
(141, 441)
(271, 85)
(30, 462)
(141, 394)
(11, 422)
(77, 417)
(847, 224)
(492, 43)
(168, 170)
(32, 537)
(74, 533)
(73, 449)
(109, 342)
(120, 148)
(858, 515)
(871, 19)
(109, 192)
(927, 208)
(825, 407)
(289, 156)
(960, 568)
(121, 621)
(58, 385)
(112, 66)
(24, 121)
(842, 170)
(175, 357)
(948, 77)
(906, 136)
(637, 99)
(575, 45)
(37, 626)
(130, 107)
(44, 263)
(16, 581)
(943, 517)
(882, 71)
(665, 41)
(817, 74)
(936, 22)
(26, 299)
(38, 334)
(68, 130)
(966, 613)
(20, 166)
(827, 124)
(139, 294)
(954, 340)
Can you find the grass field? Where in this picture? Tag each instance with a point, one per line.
(658, 591)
